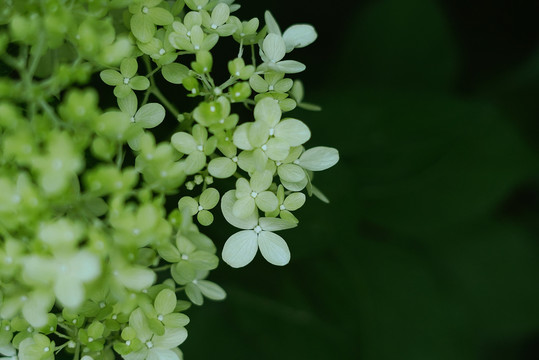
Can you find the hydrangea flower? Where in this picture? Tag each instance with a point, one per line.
(125, 81)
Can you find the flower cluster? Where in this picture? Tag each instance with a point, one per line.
(94, 262)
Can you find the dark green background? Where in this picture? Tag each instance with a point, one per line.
(430, 246)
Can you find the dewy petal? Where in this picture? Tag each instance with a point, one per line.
(273, 248)
(293, 131)
(227, 203)
(268, 111)
(274, 47)
(298, 36)
(240, 248)
(319, 158)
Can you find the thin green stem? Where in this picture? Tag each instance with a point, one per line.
(162, 268)
(36, 56)
(49, 110)
(253, 56)
(120, 156)
(157, 93)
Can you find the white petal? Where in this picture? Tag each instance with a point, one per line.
(298, 36)
(227, 204)
(240, 248)
(319, 158)
(273, 248)
(273, 27)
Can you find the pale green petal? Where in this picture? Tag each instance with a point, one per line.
(111, 77)
(295, 186)
(136, 278)
(227, 203)
(183, 272)
(319, 194)
(240, 248)
(268, 110)
(274, 47)
(175, 320)
(271, 23)
(209, 198)
(220, 14)
(85, 266)
(241, 138)
(128, 104)
(261, 180)
(194, 162)
(197, 37)
(139, 322)
(192, 18)
(291, 172)
(275, 224)
(298, 36)
(277, 149)
(180, 42)
(289, 66)
(142, 27)
(294, 201)
(69, 291)
(244, 207)
(222, 167)
(297, 91)
(187, 202)
(209, 42)
(200, 134)
(211, 290)
(122, 90)
(129, 67)
(243, 188)
(319, 158)
(165, 302)
(258, 84)
(161, 354)
(273, 248)
(283, 85)
(160, 16)
(258, 133)
(36, 309)
(183, 142)
(205, 218)
(150, 115)
(175, 73)
(293, 131)
(139, 83)
(266, 201)
(194, 294)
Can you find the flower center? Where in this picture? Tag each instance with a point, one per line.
(145, 9)
(126, 80)
(254, 194)
(257, 229)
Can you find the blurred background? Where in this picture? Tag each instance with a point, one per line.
(429, 248)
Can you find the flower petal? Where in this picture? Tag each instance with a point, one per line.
(273, 248)
(240, 248)
(227, 204)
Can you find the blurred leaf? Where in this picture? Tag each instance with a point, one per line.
(401, 44)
